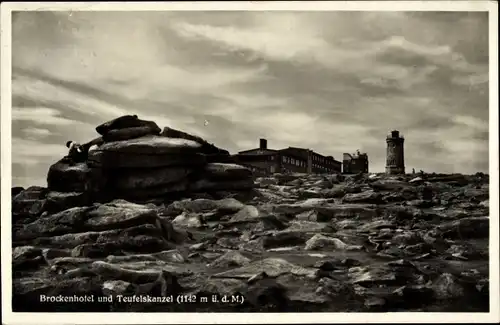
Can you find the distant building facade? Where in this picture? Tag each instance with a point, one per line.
(264, 161)
(355, 163)
(395, 163)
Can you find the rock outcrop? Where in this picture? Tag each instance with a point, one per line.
(138, 161)
(180, 222)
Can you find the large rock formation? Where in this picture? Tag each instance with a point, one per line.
(281, 243)
(136, 161)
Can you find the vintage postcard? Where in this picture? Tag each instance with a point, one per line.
(249, 162)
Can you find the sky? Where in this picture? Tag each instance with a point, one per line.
(333, 82)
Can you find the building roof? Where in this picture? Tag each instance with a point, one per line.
(259, 151)
(302, 152)
(306, 150)
(355, 156)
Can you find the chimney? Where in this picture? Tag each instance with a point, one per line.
(263, 144)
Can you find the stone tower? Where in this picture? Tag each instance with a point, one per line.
(395, 154)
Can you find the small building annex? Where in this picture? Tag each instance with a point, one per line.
(355, 163)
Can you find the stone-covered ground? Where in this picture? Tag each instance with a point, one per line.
(294, 243)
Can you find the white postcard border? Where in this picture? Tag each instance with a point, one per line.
(219, 318)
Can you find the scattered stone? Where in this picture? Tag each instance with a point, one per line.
(188, 221)
(364, 197)
(371, 275)
(230, 259)
(26, 256)
(375, 302)
(322, 242)
(116, 287)
(268, 295)
(447, 287)
(465, 228)
(273, 267)
(247, 213)
(60, 201)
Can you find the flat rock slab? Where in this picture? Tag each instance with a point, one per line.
(26, 256)
(173, 256)
(372, 275)
(363, 197)
(131, 133)
(138, 243)
(31, 193)
(116, 287)
(222, 287)
(389, 185)
(220, 185)
(148, 177)
(137, 272)
(124, 122)
(221, 171)
(56, 224)
(206, 147)
(119, 160)
(185, 220)
(273, 267)
(150, 145)
(60, 201)
(375, 225)
(398, 272)
(205, 205)
(34, 287)
(247, 213)
(72, 240)
(230, 259)
(321, 242)
(471, 227)
(117, 214)
(308, 226)
(65, 177)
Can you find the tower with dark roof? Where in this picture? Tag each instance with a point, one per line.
(395, 153)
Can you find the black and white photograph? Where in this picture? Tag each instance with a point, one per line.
(253, 158)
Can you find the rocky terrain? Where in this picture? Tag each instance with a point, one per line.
(165, 219)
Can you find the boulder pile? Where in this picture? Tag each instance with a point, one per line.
(294, 242)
